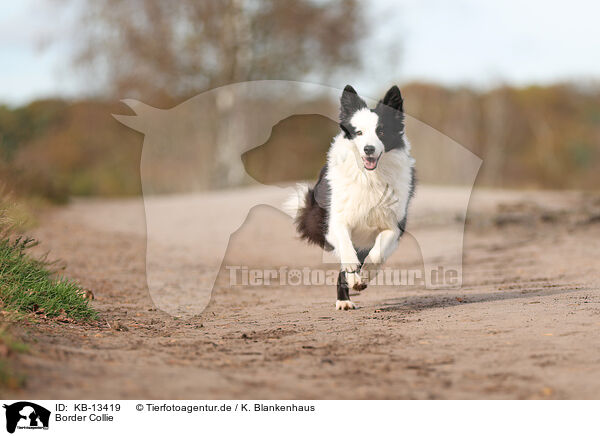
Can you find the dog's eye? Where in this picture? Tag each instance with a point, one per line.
(358, 133)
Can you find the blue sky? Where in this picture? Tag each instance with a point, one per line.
(460, 42)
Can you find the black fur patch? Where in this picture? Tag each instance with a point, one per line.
(413, 183)
(402, 226)
(312, 220)
(390, 127)
(411, 194)
(350, 103)
(393, 99)
(343, 292)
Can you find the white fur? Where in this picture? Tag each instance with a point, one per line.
(353, 279)
(344, 305)
(366, 206)
(366, 122)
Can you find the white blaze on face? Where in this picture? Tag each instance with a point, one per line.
(365, 124)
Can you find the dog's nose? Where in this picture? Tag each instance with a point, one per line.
(369, 149)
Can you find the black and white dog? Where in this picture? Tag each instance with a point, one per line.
(359, 204)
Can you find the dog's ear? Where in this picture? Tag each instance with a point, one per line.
(350, 102)
(393, 99)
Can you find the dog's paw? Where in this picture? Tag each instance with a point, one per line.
(366, 275)
(344, 305)
(360, 286)
(356, 281)
(353, 279)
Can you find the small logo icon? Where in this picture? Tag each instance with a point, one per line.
(26, 415)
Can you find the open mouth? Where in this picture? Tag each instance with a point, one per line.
(370, 163)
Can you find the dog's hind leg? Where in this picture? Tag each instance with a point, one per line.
(343, 293)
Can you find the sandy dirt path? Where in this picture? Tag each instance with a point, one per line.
(525, 324)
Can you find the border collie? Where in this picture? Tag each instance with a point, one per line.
(359, 204)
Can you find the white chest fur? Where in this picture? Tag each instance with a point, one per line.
(367, 202)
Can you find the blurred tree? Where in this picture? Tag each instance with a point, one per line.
(534, 137)
(163, 50)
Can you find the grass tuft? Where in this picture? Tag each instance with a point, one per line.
(28, 284)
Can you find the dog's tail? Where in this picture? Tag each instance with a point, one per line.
(297, 201)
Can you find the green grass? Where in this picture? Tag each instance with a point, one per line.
(28, 284)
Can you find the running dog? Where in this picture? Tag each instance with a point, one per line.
(359, 205)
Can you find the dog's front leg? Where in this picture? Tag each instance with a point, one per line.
(349, 276)
(385, 244)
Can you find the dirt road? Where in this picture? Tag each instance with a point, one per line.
(525, 324)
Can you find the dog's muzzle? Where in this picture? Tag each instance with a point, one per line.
(370, 162)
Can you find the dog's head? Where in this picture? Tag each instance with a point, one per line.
(373, 131)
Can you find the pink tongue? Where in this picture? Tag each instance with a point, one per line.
(370, 164)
